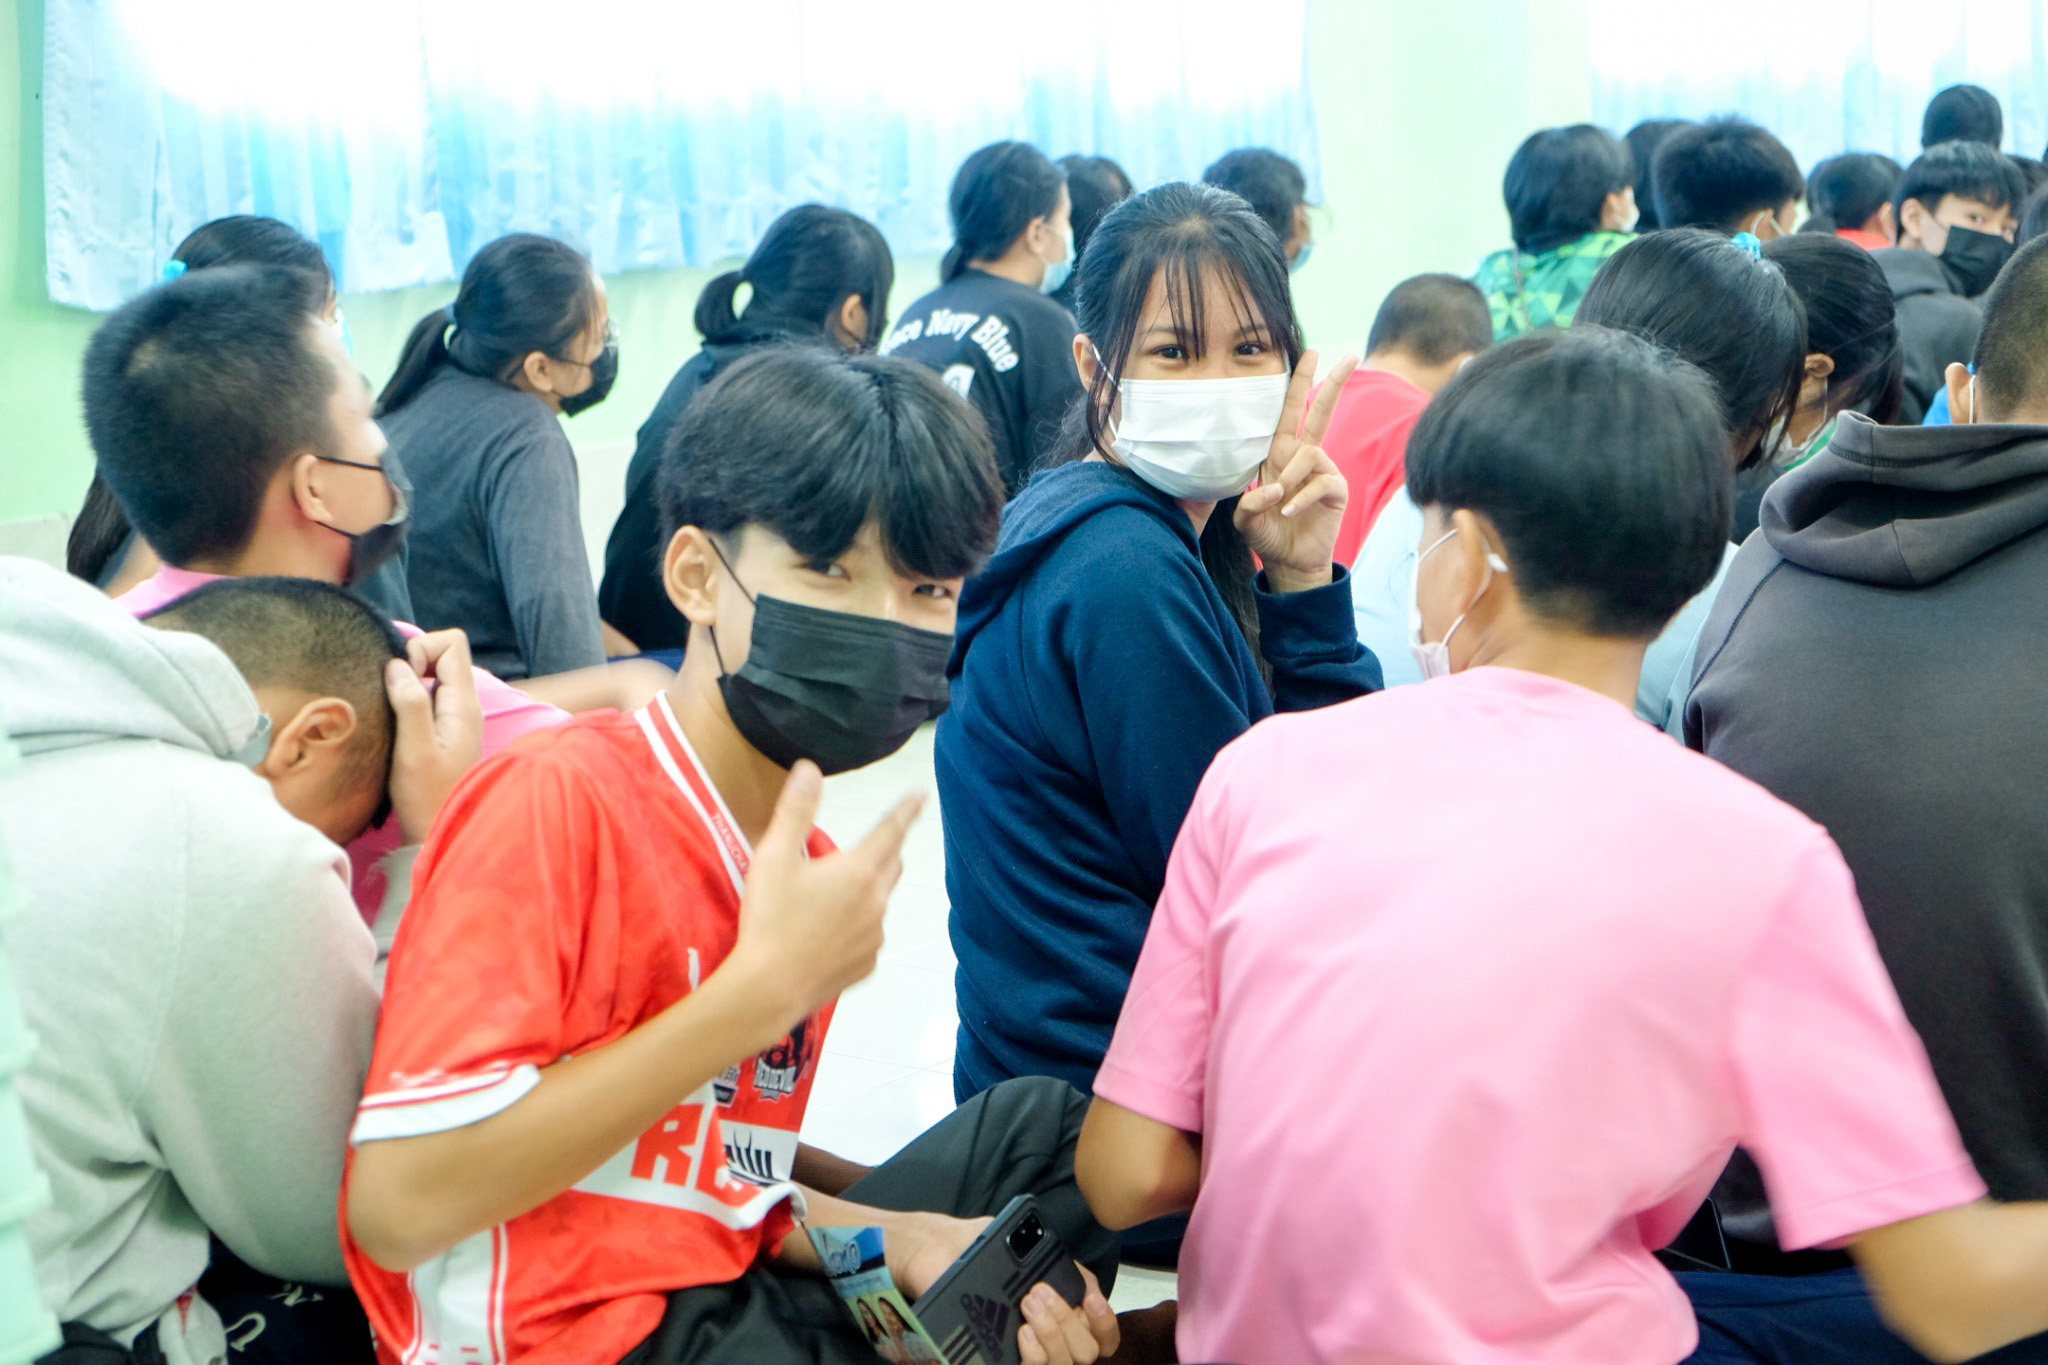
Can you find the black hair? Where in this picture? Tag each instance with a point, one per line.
(197, 391)
(1642, 141)
(1433, 318)
(1699, 295)
(1969, 170)
(1097, 185)
(306, 635)
(522, 293)
(2033, 217)
(1271, 183)
(1558, 180)
(813, 444)
(2033, 174)
(1844, 191)
(2012, 350)
(1721, 173)
(1172, 233)
(996, 193)
(1601, 460)
(808, 263)
(101, 530)
(1965, 113)
(1850, 318)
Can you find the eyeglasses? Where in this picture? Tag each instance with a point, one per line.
(611, 341)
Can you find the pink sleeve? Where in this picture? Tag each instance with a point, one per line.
(1841, 1108)
(1158, 1061)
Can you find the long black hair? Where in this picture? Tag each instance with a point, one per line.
(1850, 318)
(996, 193)
(1173, 233)
(809, 262)
(522, 293)
(1697, 293)
(101, 530)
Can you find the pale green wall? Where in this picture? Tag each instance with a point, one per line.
(1418, 106)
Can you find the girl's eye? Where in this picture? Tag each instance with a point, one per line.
(1171, 353)
(934, 590)
(826, 568)
(1251, 348)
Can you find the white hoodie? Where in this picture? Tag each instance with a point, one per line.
(190, 959)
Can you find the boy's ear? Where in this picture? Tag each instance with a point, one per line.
(318, 731)
(689, 570)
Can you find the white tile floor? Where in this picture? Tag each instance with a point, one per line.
(887, 1072)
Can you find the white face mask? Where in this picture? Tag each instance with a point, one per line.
(1200, 439)
(1434, 658)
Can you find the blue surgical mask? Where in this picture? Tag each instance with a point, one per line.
(1057, 272)
(1301, 256)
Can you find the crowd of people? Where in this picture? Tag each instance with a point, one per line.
(1513, 849)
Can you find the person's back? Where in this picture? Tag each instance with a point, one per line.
(988, 330)
(188, 956)
(1869, 663)
(1571, 204)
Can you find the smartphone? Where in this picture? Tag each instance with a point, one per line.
(974, 1310)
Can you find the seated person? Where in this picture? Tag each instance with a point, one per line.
(1729, 175)
(1956, 209)
(1571, 204)
(1425, 331)
(1642, 142)
(1095, 185)
(606, 1008)
(1541, 1006)
(235, 431)
(201, 988)
(1895, 567)
(1277, 191)
(1750, 340)
(1963, 113)
(1851, 196)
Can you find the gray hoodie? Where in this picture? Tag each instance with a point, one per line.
(1937, 326)
(190, 959)
(1876, 658)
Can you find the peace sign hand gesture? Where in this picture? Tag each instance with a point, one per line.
(1290, 517)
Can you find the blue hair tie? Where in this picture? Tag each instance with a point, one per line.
(172, 269)
(1749, 243)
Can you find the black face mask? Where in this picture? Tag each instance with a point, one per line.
(1974, 259)
(838, 689)
(371, 550)
(604, 372)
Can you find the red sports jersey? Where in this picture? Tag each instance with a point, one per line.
(576, 886)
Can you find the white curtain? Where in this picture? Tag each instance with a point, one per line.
(404, 134)
(1826, 76)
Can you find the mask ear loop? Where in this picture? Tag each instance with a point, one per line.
(1973, 393)
(716, 652)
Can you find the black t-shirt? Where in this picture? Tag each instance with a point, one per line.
(1004, 347)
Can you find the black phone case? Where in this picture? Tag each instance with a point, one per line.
(972, 1312)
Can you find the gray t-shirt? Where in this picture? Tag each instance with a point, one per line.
(496, 546)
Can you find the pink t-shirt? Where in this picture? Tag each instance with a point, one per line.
(1470, 989)
(508, 714)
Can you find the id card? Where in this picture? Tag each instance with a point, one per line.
(853, 1260)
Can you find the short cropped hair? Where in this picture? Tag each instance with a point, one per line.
(1720, 173)
(1601, 459)
(1969, 170)
(1557, 181)
(1844, 191)
(813, 445)
(306, 635)
(1963, 113)
(1271, 183)
(1642, 142)
(2012, 350)
(1434, 318)
(197, 392)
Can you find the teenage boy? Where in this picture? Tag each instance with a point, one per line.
(1425, 331)
(580, 1136)
(1729, 175)
(232, 426)
(1965, 113)
(1851, 196)
(1957, 211)
(1515, 998)
(184, 944)
(1871, 660)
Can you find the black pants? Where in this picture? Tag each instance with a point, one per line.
(1017, 1138)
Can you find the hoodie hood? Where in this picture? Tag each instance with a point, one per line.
(75, 669)
(1910, 271)
(1904, 507)
(1040, 517)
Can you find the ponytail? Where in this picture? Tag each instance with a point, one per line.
(715, 313)
(996, 194)
(522, 293)
(810, 261)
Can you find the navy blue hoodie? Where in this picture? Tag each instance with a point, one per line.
(1096, 673)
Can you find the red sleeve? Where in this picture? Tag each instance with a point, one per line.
(503, 899)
